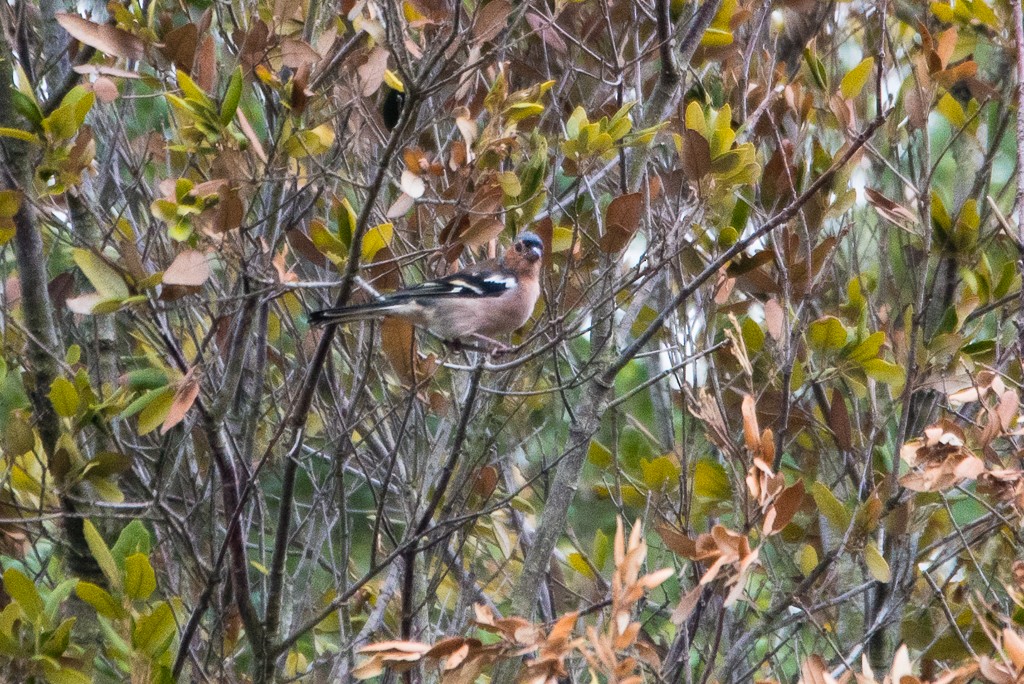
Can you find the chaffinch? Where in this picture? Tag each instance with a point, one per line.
(490, 298)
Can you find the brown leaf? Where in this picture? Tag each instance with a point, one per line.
(297, 53)
(544, 27)
(190, 268)
(774, 317)
(108, 39)
(395, 645)
(813, 671)
(751, 431)
(179, 46)
(204, 67)
(621, 220)
(490, 20)
(677, 543)
(896, 213)
(229, 212)
(562, 630)
(434, 10)
(696, 155)
(786, 506)
(105, 89)
(485, 482)
(301, 243)
(371, 72)
(399, 345)
(686, 606)
(947, 78)
(184, 397)
(481, 231)
(839, 421)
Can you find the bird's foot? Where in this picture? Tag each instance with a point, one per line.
(496, 348)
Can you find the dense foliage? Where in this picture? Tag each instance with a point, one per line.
(779, 337)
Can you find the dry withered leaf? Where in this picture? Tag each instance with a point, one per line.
(108, 39)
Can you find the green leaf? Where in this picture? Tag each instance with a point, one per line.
(710, 481)
(101, 553)
(139, 578)
(877, 566)
(101, 600)
(853, 82)
(57, 641)
(68, 675)
(826, 334)
(27, 107)
(146, 378)
(831, 507)
(347, 219)
(602, 547)
(231, 98)
(64, 397)
(134, 538)
(23, 590)
(817, 68)
(103, 277)
(153, 633)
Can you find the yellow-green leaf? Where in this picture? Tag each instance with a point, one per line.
(877, 565)
(951, 109)
(826, 333)
(100, 599)
(868, 348)
(154, 632)
(103, 277)
(231, 97)
(599, 454)
(23, 590)
(376, 239)
(831, 507)
(561, 239)
(853, 82)
(139, 577)
(10, 202)
(660, 473)
(579, 564)
(17, 134)
(64, 397)
(101, 552)
(807, 559)
(885, 372)
(152, 416)
(710, 481)
(327, 243)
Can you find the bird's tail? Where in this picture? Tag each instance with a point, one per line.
(347, 314)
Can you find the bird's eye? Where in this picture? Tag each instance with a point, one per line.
(519, 246)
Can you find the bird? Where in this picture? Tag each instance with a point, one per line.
(486, 300)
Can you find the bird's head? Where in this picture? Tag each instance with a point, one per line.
(529, 245)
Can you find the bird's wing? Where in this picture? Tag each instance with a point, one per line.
(463, 284)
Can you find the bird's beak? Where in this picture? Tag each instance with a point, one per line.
(534, 252)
